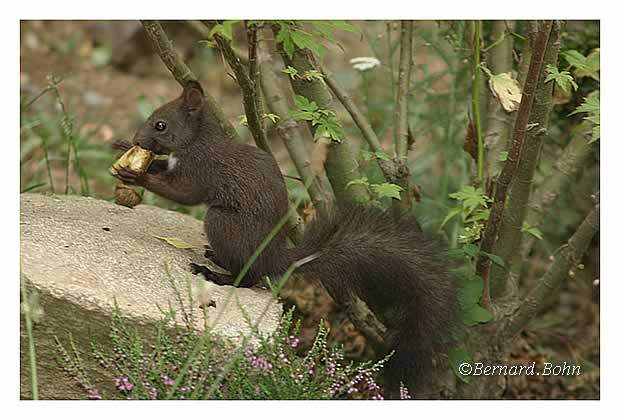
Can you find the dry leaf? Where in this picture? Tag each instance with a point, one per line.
(176, 242)
(507, 90)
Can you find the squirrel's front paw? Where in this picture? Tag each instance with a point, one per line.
(129, 177)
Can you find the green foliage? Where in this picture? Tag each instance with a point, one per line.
(378, 191)
(294, 35)
(386, 189)
(224, 29)
(366, 155)
(563, 79)
(584, 66)
(308, 75)
(325, 120)
(592, 106)
(472, 210)
(469, 297)
(456, 357)
(532, 230)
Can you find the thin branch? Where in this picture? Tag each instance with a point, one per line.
(519, 132)
(567, 165)
(289, 131)
(402, 97)
(171, 58)
(249, 91)
(526, 54)
(401, 146)
(510, 229)
(387, 166)
(568, 256)
(341, 166)
(476, 102)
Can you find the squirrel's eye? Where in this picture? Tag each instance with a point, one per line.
(160, 126)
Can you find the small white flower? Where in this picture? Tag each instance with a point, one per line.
(364, 63)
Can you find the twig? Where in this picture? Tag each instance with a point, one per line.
(168, 54)
(505, 177)
(569, 255)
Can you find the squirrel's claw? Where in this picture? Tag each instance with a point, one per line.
(128, 177)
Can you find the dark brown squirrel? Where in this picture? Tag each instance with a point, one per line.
(402, 276)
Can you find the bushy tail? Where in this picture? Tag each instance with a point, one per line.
(402, 276)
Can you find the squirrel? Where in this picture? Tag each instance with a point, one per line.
(388, 263)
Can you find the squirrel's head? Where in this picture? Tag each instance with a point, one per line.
(175, 124)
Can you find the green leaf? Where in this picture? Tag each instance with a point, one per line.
(366, 155)
(176, 242)
(478, 215)
(291, 71)
(495, 259)
(284, 37)
(534, 231)
(584, 66)
(224, 29)
(470, 292)
(592, 107)
(503, 156)
(303, 39)
(387, 190)
(310, 75)
(471, 197)
(305, 104)
(471, 250)
(451, 213)
(563, 79)
(272, 117)
(476, 314)
(456, 358)
(357, 181)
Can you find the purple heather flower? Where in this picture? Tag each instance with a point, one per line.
(404, 393)
(123, 384)
(167, 380)
(294, 341)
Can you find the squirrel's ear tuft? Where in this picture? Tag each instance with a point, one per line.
(193, 95)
